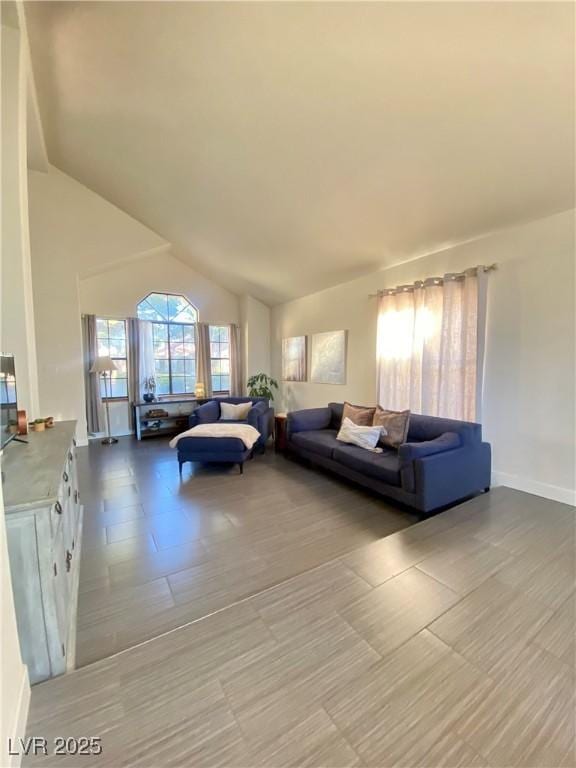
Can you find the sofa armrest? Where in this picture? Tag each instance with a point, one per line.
(445, 477)
(310, 418)
(446, 442)
(254, 414)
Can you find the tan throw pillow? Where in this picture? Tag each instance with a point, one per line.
(394, 425)
(232, 412)
(358, 414)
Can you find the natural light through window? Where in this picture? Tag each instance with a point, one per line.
(402, 331)
(111, 342)
(220, 357)
(173, 319)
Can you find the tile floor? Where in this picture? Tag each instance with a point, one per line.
(158, 551)
(447, 643)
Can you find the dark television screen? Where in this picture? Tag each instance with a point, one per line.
(8, 402)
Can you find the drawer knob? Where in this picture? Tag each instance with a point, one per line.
(58, 507)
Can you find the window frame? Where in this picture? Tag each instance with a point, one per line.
(171, 360)
(107, 320)
(168, 324)
(219, 342)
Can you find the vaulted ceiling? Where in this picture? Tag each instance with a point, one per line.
(287, 147)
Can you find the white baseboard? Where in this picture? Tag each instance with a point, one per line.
(554, 492)
(18, 728)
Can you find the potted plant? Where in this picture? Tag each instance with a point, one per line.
(150, 389)
(38, 425)
(261, 385)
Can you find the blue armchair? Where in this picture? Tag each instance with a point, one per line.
(443, 460)
(260, 416)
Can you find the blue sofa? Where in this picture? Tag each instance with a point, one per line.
(443, 460)
(225, 449)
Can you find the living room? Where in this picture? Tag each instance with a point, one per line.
(366, 554)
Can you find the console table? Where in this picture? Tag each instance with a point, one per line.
(44, 529)
(176, 420)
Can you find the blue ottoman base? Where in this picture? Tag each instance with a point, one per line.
(223, 450)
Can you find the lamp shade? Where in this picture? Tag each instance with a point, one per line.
(199, 390)
(103, 365)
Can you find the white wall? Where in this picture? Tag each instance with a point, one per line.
(529, 389)
(14, 686)
(90, 257)
(117, 291)
(255, 324)
(71, 230)
(18, 336)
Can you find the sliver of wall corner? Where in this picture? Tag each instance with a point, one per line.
(547, 491)
(13, 736)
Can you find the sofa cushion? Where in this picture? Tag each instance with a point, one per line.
(322, 441)
(382, 466)
(336, 410)
(358, 414)
(212, 445)
(233, 411)
(394, 426)
(207, 413)
(354, 434)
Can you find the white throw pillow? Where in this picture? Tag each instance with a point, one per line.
(364, 437)
(231, 412)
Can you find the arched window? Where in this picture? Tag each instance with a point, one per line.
(173, 338)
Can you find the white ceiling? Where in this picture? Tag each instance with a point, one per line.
(287, 147)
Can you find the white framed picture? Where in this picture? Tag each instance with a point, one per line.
(328, 363)
(294, 358)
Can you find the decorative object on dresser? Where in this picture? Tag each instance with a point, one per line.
(22, 423)
(105, 366)
(44, 528)
(294, 358)
(329, 358)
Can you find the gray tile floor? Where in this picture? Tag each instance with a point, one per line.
(447, 643)
(159, 551)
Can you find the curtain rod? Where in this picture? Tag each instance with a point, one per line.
(111, 317)
(432, 281)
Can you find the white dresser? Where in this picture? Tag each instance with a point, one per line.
(44, 528)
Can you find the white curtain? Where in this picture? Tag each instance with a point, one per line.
(140, 359)
(430, 349)
(94, 409)
(235, 362)
(203, 361)
(146, 354)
